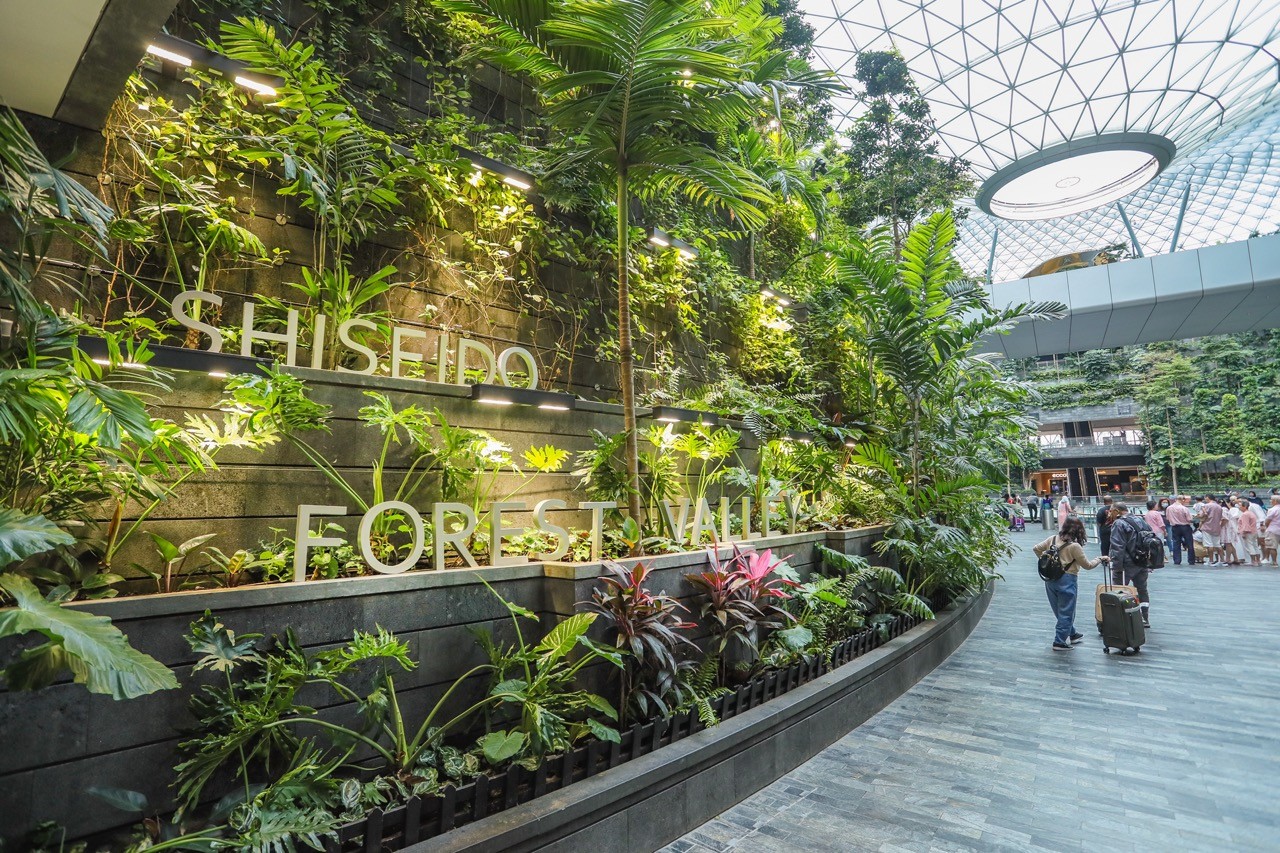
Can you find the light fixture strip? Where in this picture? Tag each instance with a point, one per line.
(189, 54)
(502, 395)
(511, 176)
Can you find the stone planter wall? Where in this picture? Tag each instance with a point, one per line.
(657, 796)
(61, 740)
(253, 493)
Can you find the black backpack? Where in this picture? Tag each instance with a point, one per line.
(1050, 565)
(1145, 548)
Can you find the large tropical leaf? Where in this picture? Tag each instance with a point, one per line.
(23, 536)
(563, 637)
(95, 651)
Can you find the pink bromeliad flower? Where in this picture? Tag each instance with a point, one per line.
(756, 568)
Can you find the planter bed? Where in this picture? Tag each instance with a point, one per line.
(423, 818)
(63, 737)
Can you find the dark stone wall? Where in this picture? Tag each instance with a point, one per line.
(251, 492)
(61, 740)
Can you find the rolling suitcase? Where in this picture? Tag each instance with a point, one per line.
(1121, 623)
(1109, 587)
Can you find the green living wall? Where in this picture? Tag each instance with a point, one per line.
(801, 294)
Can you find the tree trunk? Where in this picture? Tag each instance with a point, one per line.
(625, 357)
(915, 455)
(751, 254)
(1173, 459)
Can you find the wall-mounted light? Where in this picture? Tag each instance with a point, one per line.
(169, 55)
(769, 293)
(255, 86)
(673, 415)
(219, 365)
(501, 395)
(658, 237)
(510, 174)
(188, 54)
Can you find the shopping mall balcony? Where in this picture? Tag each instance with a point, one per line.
(1093, 451)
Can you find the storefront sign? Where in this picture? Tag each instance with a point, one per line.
(461, 352)
(705, 526)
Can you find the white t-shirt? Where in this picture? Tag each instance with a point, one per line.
(1259, 512)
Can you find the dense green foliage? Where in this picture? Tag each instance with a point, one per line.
(1217, 398)
(825, 309)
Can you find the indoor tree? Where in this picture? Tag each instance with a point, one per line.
(894, 172)
(632, 87)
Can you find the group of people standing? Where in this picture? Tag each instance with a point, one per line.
(1227, 533)
(1238, 530)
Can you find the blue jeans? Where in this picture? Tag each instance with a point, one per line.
(1062, 598)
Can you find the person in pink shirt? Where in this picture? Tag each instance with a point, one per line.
(1179, 516)
(1154, 518)
(1064, 509)
(1249, 533)
(1272, 530)
(1211, 527)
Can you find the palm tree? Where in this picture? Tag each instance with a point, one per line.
(925, 319)
(633, 87)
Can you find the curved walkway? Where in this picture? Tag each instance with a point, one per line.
(1011, 746)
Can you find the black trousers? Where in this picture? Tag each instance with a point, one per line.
(1104, 539)
(1135, 576)
(1182, 538)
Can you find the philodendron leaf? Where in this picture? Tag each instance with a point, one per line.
(98, 655)
(796, 638)
(166, 549)
(601, 704)
(603, 732)
(194, 543)
(563, 637)
(218, 646)
(120, 798)
(23, 536)
(613, 656)
(501, 746)
(511, 690)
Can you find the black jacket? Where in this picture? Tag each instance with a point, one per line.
(1102, 519)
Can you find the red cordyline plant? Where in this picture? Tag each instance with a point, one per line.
(740, 600)
(649, 627)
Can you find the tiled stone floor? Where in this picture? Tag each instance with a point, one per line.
(1011, 746)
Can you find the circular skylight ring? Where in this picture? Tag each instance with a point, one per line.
(1075, 176)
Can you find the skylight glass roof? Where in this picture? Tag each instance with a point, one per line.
(1006, 80)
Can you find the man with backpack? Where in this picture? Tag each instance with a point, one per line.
(1135, 550)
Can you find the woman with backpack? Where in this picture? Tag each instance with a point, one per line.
(1067, 546)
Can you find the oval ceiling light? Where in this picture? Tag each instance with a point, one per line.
(1075, 176)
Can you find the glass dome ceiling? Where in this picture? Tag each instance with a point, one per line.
(1010, 79)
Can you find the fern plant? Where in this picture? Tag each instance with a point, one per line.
(698, 687)
(882, 588)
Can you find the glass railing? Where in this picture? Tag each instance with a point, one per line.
(1092, 441)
